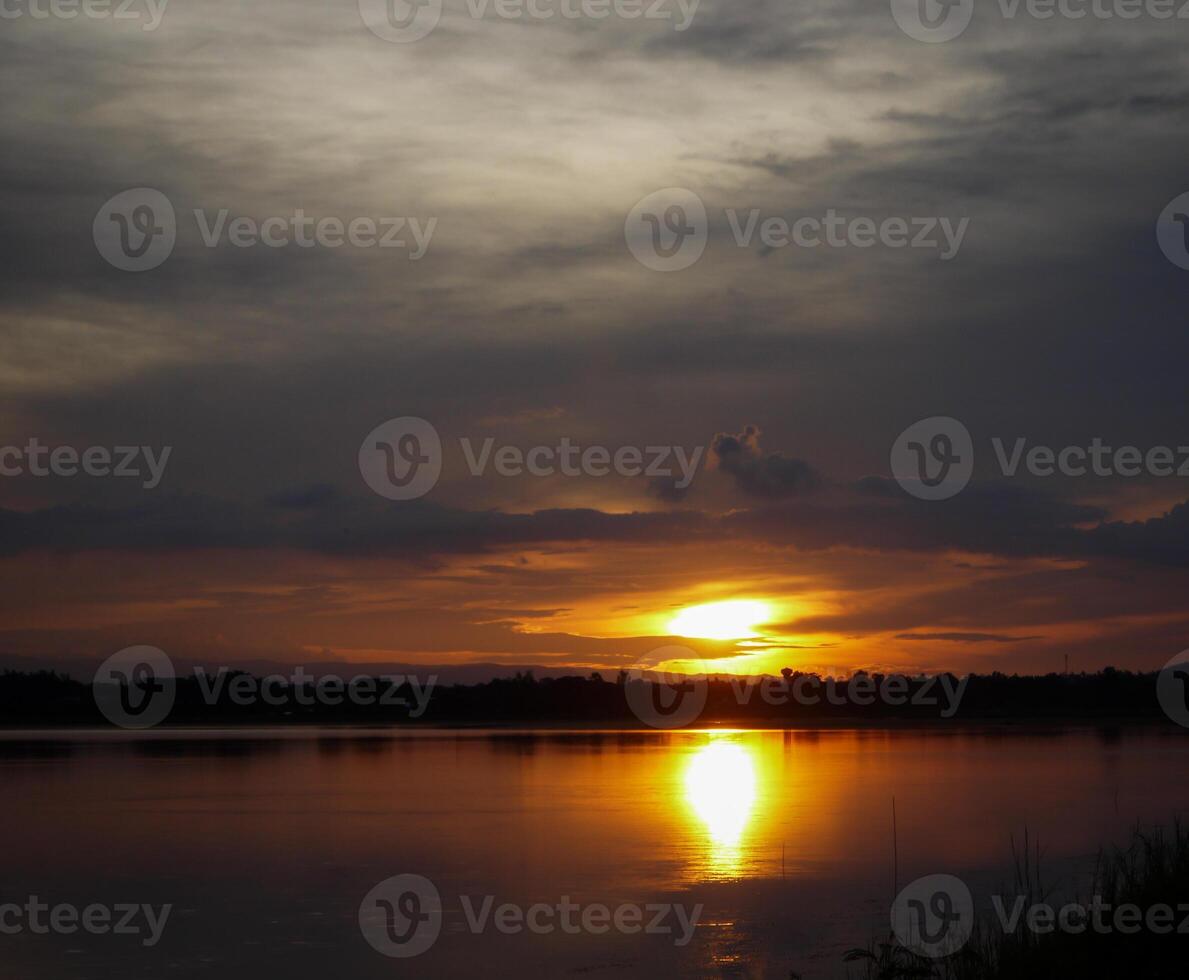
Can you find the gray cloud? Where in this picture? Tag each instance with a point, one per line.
(762, 474)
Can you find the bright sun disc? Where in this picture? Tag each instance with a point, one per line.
(734, 619)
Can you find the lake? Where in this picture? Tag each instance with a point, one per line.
(265, 843)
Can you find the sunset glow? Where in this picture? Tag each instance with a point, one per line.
(733, 619)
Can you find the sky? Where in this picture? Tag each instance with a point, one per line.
(516, 151)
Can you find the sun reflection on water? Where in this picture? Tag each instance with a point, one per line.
(720, 787)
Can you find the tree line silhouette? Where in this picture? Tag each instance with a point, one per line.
(47, 698)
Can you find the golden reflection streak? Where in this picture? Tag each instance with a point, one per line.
(720, 788)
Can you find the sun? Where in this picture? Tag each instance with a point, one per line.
(732, 619)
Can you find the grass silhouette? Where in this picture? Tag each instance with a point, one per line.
(1152, 870)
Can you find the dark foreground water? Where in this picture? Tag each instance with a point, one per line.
(265, 844)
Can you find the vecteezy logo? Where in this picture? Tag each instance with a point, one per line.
(1172, 688)
(401, 916)
(933, 459)
(933, 21)
(934, 915)
(664, 699)
(136, 230)
(667, 230)
(400, 21)
(136, 687)
(1172, 231)
(402, 458)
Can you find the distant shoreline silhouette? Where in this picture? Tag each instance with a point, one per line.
(49, 699)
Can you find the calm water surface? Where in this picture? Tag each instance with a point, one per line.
(266, 843)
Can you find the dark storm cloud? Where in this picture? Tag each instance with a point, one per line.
(993, 520)
(760, 473)
(416, 532)
(303, 498)
(665, 488)
(1162, 540)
